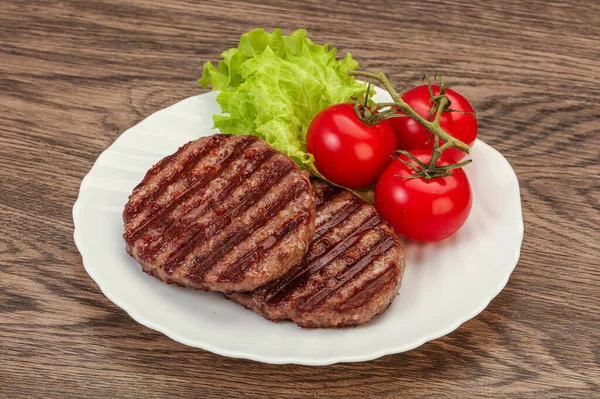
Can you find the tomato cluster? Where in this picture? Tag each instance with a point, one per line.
(353, 153)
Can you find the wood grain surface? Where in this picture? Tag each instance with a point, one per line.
(76, 74)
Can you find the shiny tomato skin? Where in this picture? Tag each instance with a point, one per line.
(460, 125)
(347, 151)
(423, 210)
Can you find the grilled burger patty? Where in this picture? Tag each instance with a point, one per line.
(352, 271)
(224, 213)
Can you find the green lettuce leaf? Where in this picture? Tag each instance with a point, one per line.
(272, 86)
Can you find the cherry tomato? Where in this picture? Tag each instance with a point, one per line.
(347, 151)
(459, 123)
(423, 210)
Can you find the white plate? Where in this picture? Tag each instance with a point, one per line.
(445, 284)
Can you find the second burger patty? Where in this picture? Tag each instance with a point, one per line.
(223, 213)
(352, 271)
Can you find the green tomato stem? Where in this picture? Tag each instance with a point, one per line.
(432, 126)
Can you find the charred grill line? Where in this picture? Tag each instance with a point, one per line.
(318, 262)
(201, 266)
(177, 226)
(200, 233)
(351, 272)
(381, 247)
(235, 271)
(368, 289)
(189, 162)
(327, 194)
(160, 212)
(339, 217)
(225, 213)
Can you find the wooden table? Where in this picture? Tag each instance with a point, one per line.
(74, 75)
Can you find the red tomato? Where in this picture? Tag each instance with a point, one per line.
(347, 151)
(462, 126)
(419, 209)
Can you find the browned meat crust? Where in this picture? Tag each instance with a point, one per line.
(224, 213)
(352, 271)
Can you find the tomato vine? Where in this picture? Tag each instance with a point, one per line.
(441, 102)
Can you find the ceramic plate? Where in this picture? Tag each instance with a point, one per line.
(445, 284)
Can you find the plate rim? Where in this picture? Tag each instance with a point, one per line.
(510, 267)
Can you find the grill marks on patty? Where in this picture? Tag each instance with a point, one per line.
(254, 222)
(352, 270)
(318, 259)
(145, 200)
(218, 211)
(230, 213)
